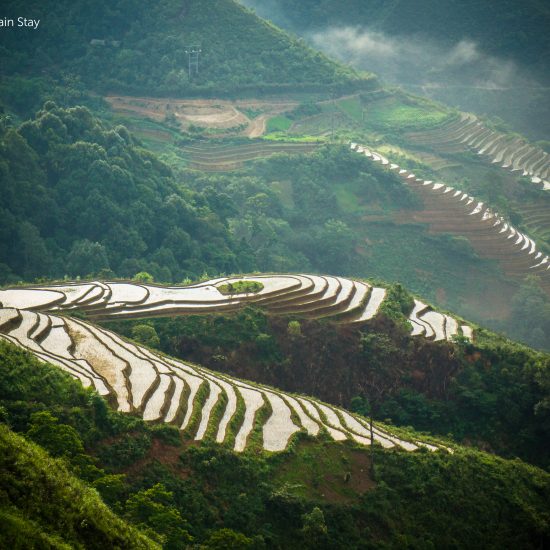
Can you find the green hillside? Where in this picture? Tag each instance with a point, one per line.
(132, 47)
(315, 495)
(83, 198)
(491, 393)
(44, 505)
(79, 198)
(363, 214)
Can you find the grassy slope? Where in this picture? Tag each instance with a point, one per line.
(43, 505)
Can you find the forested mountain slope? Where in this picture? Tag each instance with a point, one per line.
(129, 46)
(78, 197)
(491, 393)
(317, 493)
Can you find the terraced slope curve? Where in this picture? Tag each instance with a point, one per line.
(451, 210)
(508, 151)
(537, 218)
(340, 299)
(220, 158)
(203, 404)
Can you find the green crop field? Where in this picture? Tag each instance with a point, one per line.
(391, 113)
(352, 107)
(278, 124)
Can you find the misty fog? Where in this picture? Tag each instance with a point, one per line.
(462, 75)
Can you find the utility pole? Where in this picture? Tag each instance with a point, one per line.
(193, 52)
(333, 112)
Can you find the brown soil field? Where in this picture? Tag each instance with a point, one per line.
(218, 114)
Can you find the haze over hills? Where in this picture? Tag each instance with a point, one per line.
(347, 392)
(498, 32)
(468, 54)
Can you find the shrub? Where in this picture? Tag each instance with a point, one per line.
(241, 287)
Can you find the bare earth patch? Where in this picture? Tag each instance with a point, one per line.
(217, 114)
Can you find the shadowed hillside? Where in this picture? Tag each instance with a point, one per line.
(129, 46)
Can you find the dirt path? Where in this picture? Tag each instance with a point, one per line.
(257, 126)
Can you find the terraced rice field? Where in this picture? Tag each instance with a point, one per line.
(392, 113)
(537, 218)
(321, 124)
(209, 158)
(450, 210)
(205, 405)
(509, 151)
(314, 296)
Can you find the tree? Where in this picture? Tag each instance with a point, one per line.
(382, 377)
(314, 530)
(87, 258)
(32, 250)
(335, 245)
(143, 277)
(153, 510)
(294, 329)
(146, 335)
(531, 314)
(227, 539)
(58, 439)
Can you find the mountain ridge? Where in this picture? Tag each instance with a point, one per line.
(125, 47)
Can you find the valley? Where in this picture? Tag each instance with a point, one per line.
(254, 296)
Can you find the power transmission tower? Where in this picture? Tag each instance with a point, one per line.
(333, 113)
(193, 52)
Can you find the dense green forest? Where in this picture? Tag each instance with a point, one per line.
(493, 394)
(128, 46)
(79, 198)
(177, 494)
